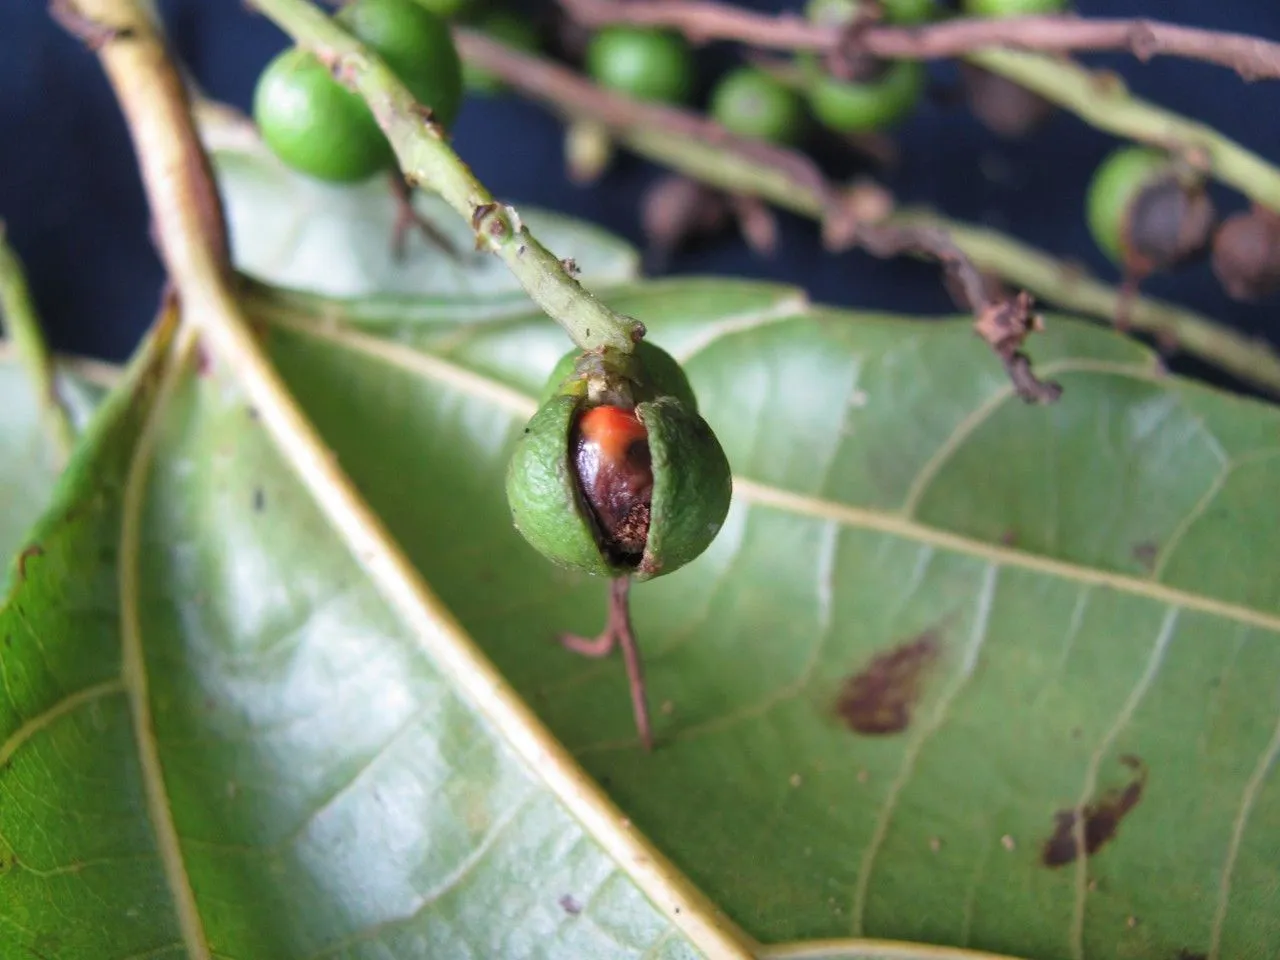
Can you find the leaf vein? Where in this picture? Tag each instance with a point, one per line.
(1127, 710)
(911, 754)
(1247, 800)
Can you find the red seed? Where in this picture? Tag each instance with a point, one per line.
(615, 474)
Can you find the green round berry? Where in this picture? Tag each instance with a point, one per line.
(1013, 8)
(839, 12)
(855, 107)
(643, 63)
(752, 103)
(448, 9)
(418, 47)
(314, 124)
(1116, 183)
(507, 28)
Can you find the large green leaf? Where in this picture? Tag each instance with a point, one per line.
(1046, 609)
(937, 624)
(216, 740)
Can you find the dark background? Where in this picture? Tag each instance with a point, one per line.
(71, 197)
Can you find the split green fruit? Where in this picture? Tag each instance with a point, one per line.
(617, 474)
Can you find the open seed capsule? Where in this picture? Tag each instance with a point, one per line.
(617, 474)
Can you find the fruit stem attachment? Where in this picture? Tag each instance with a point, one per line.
(618, 632)
(427, 160)
(22, 325)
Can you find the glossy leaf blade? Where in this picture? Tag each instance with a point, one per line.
(938, 626)
(315, 788)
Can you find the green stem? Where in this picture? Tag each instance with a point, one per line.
(790, 181)
(1103, 101)
(19, 315)
(427, 160)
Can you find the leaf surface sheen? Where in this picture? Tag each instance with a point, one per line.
(936, 623)
(1064, 565)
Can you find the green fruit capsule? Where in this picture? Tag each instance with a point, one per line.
(314, 124)
(859, 107)
(628, 482)
(751, 103)
(418, 47)
(647, 64)
(1144, 214)
(1013, 8)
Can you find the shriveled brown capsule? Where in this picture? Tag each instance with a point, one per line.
(1246, 254)
(1146, 214)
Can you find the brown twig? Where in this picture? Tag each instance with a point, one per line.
(617, 632)
(1251, 57)
(853, 217)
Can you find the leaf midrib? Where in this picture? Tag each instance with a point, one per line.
(896, 523)
(133, 660)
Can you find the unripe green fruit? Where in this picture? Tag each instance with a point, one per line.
(751, 103)
(418, 47)
(1013, 8)
(858, 107)
(1142, 215)
(314, 124)
(448, 9)
(840, 12)
(635, 488)
(643, 63)
(508, 28)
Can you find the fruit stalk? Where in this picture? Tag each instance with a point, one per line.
(427, 160)
(790, 180)
(1097, 99)
(1252, 57)
(19, 321)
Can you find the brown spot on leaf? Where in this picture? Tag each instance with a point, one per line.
(879, 698)
(570, 905)
(1146, 553)
(1101, 819)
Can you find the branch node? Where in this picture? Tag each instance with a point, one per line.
(1005, 325)
(94, 34)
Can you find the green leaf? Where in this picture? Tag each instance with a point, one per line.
(937, 623)
(30, 463)
(217, 740)
(1024, 611)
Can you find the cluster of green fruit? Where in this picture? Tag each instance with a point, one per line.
(750, 101)
(317, 126)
